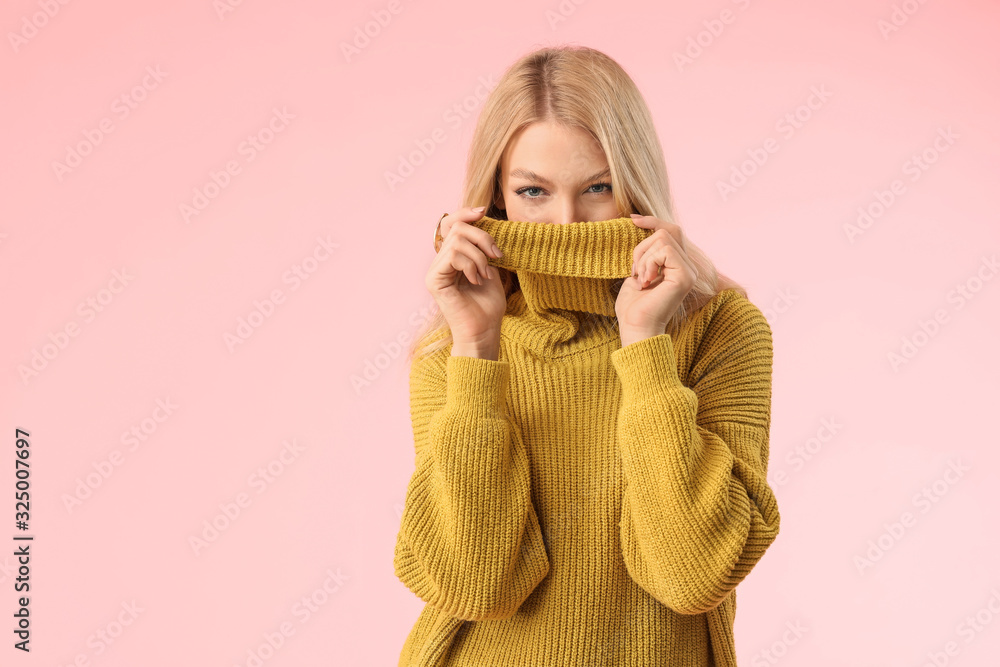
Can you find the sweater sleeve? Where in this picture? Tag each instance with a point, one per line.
(697, 512)
(469, 542)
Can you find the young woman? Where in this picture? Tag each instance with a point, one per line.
(590, 405)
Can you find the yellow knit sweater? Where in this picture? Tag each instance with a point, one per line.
(580, 503)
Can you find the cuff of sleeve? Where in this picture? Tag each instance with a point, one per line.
(647, 366)
(477, 384)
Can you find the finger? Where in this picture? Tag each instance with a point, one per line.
(651, 263)
(476, 236)
(682, 259)
(448, 270)
(450, 262)
(677, 259)
(641, 272)
(645, 251)
(473, 258)
(683, 272)
(638, 252)
(657, 238)
(654, 223)
(467, 267)
(657, 261)
(673, 234)
(464, 214)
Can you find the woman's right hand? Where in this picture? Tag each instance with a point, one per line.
(468, 291)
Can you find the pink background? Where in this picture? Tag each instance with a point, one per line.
(322, 367)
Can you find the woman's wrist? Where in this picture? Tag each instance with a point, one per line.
(479, 350)
(630, 336)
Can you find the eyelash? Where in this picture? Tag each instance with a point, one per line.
(520, 191)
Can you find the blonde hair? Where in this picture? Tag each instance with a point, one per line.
(581, 87)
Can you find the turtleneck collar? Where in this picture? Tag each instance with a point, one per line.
(566, 274)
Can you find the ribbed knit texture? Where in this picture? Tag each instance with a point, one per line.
(580, 503)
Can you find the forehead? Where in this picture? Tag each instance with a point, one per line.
(553, 151)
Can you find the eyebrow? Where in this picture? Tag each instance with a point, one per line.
(529, 175)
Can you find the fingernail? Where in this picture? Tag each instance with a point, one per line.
(479, 208)
(496, 251)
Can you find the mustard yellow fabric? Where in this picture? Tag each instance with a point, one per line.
(580, 503)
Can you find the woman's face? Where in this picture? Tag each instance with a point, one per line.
(554, 174)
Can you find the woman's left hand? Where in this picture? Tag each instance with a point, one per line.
(662, 276)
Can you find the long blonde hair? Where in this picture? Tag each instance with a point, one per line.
(581, 87)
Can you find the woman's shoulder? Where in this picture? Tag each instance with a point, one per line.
(729, 303)
(727, 337)
(730, 314)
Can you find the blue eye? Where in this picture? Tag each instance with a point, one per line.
(521, 191)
